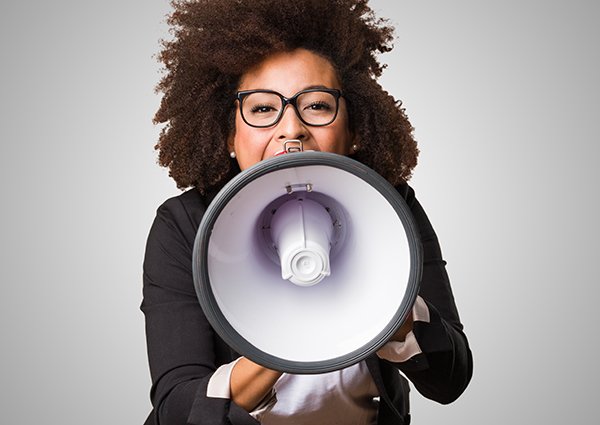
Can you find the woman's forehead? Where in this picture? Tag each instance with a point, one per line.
(290, 72)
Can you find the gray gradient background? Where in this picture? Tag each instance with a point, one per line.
(504, 98)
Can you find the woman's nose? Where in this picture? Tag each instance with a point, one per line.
(290, 126)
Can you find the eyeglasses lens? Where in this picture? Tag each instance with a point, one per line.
(263, 109)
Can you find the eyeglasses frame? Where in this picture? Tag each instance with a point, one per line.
(242, 94)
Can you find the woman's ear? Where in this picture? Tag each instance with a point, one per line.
(231, 145)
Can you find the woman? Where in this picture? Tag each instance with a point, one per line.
(230, 67)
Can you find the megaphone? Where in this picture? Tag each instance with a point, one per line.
(307, 262)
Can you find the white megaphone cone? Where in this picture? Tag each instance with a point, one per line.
(307, 262)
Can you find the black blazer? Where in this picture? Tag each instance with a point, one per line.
(184, 350)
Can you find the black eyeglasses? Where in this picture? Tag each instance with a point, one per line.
(264, 108)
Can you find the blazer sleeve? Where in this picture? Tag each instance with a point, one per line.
(444, 368)
(183, 350)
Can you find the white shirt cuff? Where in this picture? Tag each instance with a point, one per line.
(420, 310)
(218, 384)
(398, 352)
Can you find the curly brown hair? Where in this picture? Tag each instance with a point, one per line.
(216, 41)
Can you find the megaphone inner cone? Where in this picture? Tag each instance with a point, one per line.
(302, 230)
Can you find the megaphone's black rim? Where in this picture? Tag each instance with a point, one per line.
(200, 265)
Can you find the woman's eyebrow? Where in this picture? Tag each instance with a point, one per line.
(316, 87)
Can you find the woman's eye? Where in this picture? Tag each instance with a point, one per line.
(262, 109)
(318, 106)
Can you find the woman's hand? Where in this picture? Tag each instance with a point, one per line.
(250, 383)
(406, 327)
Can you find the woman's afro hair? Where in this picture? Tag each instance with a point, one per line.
(216, 41)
